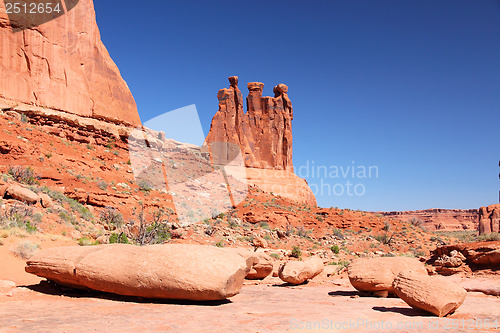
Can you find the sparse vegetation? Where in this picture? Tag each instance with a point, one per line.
(335, 249)
(18, 216)
(25, 249)
(493, 236)
(24, 175)
(296, 252)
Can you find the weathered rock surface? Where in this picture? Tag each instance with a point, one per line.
(440, 219)
(261, 264)
(174, 271)
(18, 192)
(377, 274)
(264, 136)
(297, 272)
(264, 133)
(477, 255)
(489, 219)
(434, 294)
(63, 65)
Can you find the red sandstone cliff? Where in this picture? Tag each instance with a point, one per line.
(63, 65)
(264, 135)
(489, 219)
(440, 219)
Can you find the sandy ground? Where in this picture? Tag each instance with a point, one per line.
(30, 304)
(332, 306)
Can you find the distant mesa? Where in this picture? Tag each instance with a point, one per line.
(264, 135)
(63, 65)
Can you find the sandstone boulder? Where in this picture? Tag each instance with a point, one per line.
(377, 274)
(20, 193)
(434, 294)
(45, 200)
(297, 272)
(173, 271)
(260, 264)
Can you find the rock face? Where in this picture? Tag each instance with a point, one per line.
(489, 219)
(434, 294)
(440, 219)
(297, 272)
(264, 136)
(63, 65)
(174, 271)
(377, 274)
(264, 132)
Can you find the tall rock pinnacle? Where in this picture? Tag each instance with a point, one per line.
(63, 65)
(264, 132)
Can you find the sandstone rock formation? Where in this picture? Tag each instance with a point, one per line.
(20, 193)
(377, 274)
(477, 255)
(261, 264)
(434, 294)
(297, 272)
(174, 271)
(264, 133)
(63, 65)
(440, 219)
(264, 136)
(489, 219)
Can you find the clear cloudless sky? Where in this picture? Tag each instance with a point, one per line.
(409, 88)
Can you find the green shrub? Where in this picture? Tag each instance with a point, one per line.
(102, 185)
(296, 252)
(335, 249)
(275, 256)
(220, 243)
(24, 175)
(118, 238)
(493, 236)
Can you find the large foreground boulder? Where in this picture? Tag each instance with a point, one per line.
(297, 272)
(174, 271)
(434, 294)
(377, 274)
(20, 193)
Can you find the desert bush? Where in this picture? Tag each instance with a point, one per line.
(111, 217)
(415, 221)
(155, 230)
(338, 232)
(220, 243)
(493, 236)
(145, 185)
(275, 256)
(335, 249)
(264, 225)
(296, 252)
(289, 230)
(25, 249)
(24, 175)
(102, 185)
(384, 238)
(118, 238)
(18, 216)
(387, 226)
(84, 241)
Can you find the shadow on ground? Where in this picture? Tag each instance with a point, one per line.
(50, 288)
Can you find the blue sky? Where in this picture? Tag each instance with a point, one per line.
(409, 87)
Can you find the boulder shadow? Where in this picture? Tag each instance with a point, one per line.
(53, 289)
(347, 293)
(287, 284)
(409, 311)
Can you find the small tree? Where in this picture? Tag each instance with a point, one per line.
(155, 231)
